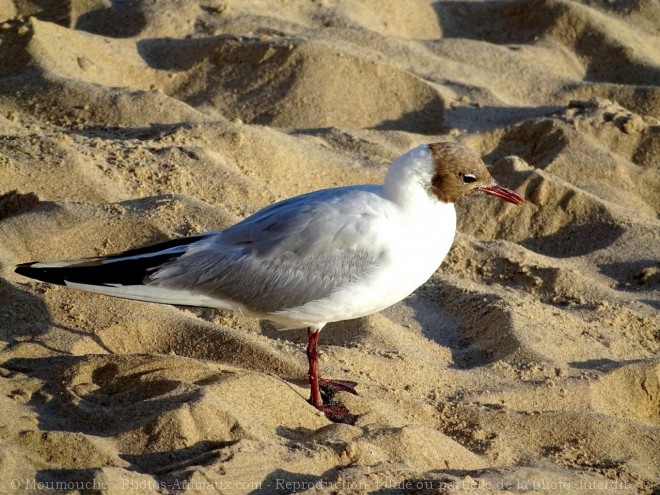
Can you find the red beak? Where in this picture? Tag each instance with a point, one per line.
(503, 193)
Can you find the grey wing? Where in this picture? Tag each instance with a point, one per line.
(284, 256)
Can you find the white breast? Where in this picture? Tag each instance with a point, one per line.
(417, 246)
(422, 246)
(416, 252)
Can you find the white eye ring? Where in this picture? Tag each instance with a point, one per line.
(467, 178)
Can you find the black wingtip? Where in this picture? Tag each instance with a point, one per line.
(24, 268)
(51, 275)
(127, 268)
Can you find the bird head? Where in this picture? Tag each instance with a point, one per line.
(459, 171)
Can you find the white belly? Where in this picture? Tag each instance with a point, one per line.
(415, 252)
(415, 257)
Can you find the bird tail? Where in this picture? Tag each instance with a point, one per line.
(123, 275)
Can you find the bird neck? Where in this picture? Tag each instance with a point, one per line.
(407, 179)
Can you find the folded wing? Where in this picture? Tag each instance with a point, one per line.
(283, 256)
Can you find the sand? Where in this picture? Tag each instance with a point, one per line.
(527, 363)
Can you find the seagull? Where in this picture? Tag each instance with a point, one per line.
(325, 256)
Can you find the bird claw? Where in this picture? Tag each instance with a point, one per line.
(331, 387)
(337, 412)
(334, 410)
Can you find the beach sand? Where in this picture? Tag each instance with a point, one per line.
(527, 363)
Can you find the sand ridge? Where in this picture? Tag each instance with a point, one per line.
(528, 363)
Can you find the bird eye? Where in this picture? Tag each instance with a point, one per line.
(467, 178)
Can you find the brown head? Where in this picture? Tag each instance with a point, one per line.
(459, 171)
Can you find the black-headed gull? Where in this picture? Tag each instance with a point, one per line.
(325, 256)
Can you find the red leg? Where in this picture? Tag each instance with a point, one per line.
(333, 410)
(313, 359)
